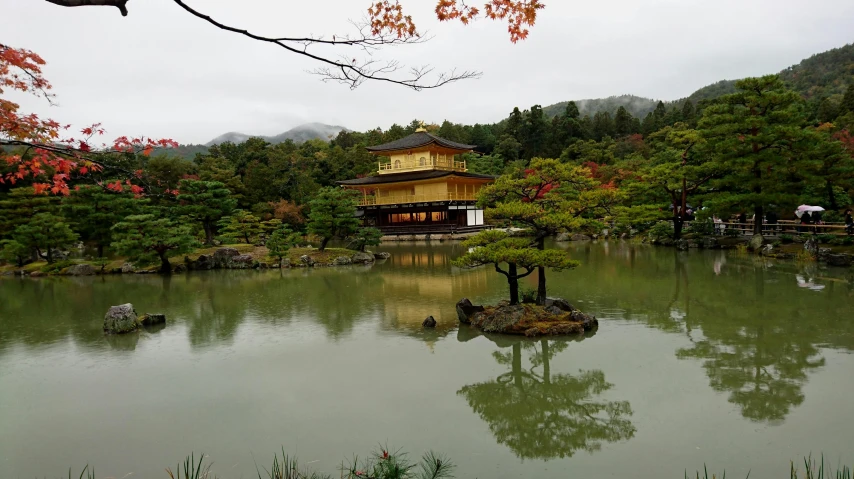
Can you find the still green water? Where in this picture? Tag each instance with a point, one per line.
(700, 357)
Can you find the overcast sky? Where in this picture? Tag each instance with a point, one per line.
(162, 73)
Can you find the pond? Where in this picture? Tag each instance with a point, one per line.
(700, 357)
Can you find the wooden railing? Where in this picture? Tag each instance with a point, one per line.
(792, 227)
(428, 164)
(403, 199)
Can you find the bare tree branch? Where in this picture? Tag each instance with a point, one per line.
(344, 68)
(120, 4)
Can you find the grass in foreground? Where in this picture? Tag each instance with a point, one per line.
(812, 470)
(381, 464)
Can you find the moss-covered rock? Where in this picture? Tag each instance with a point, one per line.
(532, 320)
(121, 319)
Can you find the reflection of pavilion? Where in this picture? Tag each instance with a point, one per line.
(419, 295)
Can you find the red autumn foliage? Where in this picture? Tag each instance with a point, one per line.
(538, 192)
(847, 140)
(387, 16)
(52, 159)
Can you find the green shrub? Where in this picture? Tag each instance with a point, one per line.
(527, 295)
(785, 238)
(702, 227)
(661, 230)
(825, 238)
(57, 266)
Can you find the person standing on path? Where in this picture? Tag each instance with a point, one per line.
(849, 223)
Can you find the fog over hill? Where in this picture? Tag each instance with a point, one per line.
(299, 134)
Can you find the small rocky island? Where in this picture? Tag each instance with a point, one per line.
(556, 317)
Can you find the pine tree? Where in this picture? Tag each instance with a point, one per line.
(658, 116)
(603, 125)
(648, 124)
(205, 202)
(150, 237)
(241, 224)
(572, 111)
(281, 241)
(332, 215)
(533, 134)
(92, 211)
(496, 247)
(547, 197)
(44, 232)
(509, 149)
(21, 204)
(14, 252)
(364, 237)
(827, 111)
(688, 112)
(758, 135)
(514, 124)
(623, 122)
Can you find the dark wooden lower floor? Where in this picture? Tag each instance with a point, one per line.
(424, 218)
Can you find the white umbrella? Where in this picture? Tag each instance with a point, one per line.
(807, 208)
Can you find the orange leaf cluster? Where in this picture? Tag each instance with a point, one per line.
(53, 159)
(387, 16)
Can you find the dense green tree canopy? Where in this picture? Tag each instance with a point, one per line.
(44, 233)
(205, 202)
(149, 237)
(333, 215)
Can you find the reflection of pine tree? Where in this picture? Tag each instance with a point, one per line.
(543, 416)
(764, 375)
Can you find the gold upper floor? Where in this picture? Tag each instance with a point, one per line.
(420, 160)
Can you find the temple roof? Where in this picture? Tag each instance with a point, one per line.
(419, 139)
(413, 176)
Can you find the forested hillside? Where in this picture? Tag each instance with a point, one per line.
(822, 75)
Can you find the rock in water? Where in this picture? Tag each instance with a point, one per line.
(382, 255)
(150, 319)
(841, 259)
(342, 261)
(465, 310)
(362, 258)
(306, 260)
(563, 237)
(121, 319)
(586, 320)
(81, 270)
(755, 243)
(580, 237)
(430, 322)
(128, 268)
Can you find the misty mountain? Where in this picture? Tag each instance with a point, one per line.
(822, 75)
(638, 106)
(299, 134)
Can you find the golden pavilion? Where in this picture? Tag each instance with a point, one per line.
(424, 188)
